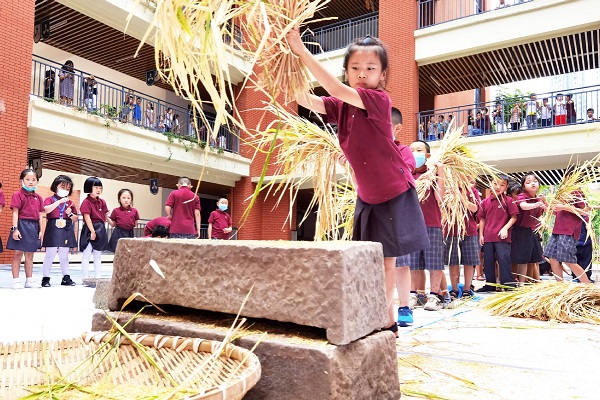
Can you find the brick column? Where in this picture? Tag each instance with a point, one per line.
(16, 44)
(403, 84)
(264, 222)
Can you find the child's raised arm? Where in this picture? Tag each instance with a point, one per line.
(329, 82)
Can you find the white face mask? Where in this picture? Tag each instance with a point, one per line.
(62, 193)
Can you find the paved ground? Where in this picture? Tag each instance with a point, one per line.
(449, 354)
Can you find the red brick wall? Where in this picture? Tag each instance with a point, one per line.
(16, 45)
(403, 84)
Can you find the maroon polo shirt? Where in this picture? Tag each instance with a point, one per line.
(54, 214)
(409, 159)
(125, 218)
(566, 222)
(96, 208)
(430, 208)
(219, 220)
(367, 142)
(496, 214)
(183, 203)
(29, 204)
(471, 220)
(164, 221)
(528, 218)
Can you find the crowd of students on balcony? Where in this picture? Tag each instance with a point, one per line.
(527, 114)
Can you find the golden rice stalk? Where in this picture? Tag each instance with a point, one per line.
(461, 167)
(281, 72)
(305, 153)
(549, 301)
(568, 194)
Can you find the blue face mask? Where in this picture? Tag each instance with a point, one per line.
(419, 158)
(30, 189)
(222, 207)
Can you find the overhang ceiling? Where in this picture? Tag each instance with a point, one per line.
(555, 56)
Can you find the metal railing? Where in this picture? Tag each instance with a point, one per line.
(513, 114)
(76, 88)
(340, 34)
(433, 12)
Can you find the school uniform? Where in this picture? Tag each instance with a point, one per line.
(60, 230)
(431, 258)
(496, 211)
(526, 246)
(183, 203)
(30, 206)
(465, 250)
(387, 208)
(584, 251)
(164, 221)
(562, 245)
(125, 220)
(97, 210)
(2, 204)
(219, 220)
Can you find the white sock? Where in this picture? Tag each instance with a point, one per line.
(27, 280)
(15, 280)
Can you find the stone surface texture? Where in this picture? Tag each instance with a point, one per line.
(101, 293)
(338, 286)
(297, 368)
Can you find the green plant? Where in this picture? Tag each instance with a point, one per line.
(50, 99)
(509, 99)
(109, 110)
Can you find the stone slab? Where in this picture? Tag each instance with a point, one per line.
(101, 293)
(337, 286)
(298, 366)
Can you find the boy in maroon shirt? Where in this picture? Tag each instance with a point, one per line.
(219, 222)
(497, 215)
(164, 221)
(183, 209)
(562, 246)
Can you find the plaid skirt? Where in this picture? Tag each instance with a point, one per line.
(526, 247)
(562, 248)
(462, 251)
(397, 224)
(30, 233)
(431, 259)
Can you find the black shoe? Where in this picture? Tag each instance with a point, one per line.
(486, 289)
(66, 281)
(46, 281)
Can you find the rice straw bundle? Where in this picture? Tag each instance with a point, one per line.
(461, 167)
(281, 72)
(307, 153)
(568, 194)
(549, 301)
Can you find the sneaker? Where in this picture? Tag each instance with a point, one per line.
(66, 281)
(405, 317)
(17, 285)
(412, 301)
(434, 303)
(486, 289)
(468, 294)
(421, 299)
(446, 300)
(32, 284)
(453, 301)
(46, 281)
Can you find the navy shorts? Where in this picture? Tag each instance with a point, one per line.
(562, 248)
(526, 247)
(431, 259)
(397, 224)
(463, 251)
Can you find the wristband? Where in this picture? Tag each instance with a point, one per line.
(13, 228)
(70, 215)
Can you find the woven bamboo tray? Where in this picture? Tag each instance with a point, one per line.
(124, 372)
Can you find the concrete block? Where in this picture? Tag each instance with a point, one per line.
(101, 293)
(337, 286)
(296, 364)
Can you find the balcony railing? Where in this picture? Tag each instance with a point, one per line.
(340, 34)
(433, 12)
(547, 110)
(112, 100)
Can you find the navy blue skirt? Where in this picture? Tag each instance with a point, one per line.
(59, 237)
(526, 246)
(397, 224)
(101, 242)
(117, 234)
(1, 248)
(30, 233)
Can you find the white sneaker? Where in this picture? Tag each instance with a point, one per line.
(412, 301)
(17, 285)
(33, 284)
(433, 303)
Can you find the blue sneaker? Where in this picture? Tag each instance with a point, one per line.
(405, 316)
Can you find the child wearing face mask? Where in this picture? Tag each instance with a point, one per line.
(219, 222)
(59, 234)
